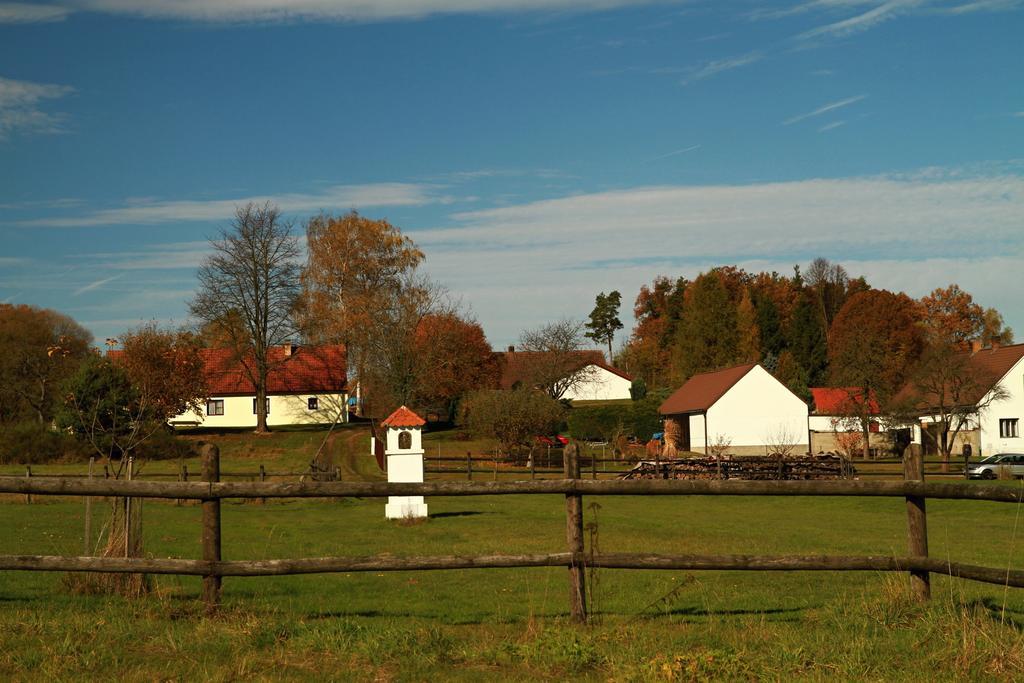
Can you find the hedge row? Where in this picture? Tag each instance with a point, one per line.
(639, 419)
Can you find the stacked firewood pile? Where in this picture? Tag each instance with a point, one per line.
(774, 467)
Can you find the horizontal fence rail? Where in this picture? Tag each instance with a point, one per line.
(323, 565)
(586, 487)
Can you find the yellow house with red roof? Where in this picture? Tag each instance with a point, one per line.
(306, 385)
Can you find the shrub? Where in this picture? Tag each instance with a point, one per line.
(33, 443)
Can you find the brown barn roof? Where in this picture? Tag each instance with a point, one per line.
(515, 365)
(403, 417)
(700, 392)
(987, 366)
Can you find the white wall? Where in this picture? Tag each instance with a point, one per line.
(697, 434)
(602, 385)
(286, 409)
(823, 423)
(755, 410)
(1010, 407)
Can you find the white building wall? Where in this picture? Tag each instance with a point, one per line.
(824, 423)
(1008, 408)
(697, 442)
(603, 385)
(285, 409)
(756, 410)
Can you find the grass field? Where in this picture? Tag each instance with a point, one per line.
(512, 624)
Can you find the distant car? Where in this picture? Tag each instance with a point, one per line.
(545, 441)
(989, 467)
(562, 440)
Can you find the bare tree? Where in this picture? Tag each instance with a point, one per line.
(252, 274)
(780, 440)
(951, 391)
(553, 358)
(830, 282)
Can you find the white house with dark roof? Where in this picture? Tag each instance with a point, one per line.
(743, 407)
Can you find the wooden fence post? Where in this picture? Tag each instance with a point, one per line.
(28, 475)
(593, 464)
(574, 538)
(211, 528)
(917, 524)
(469, 466)
(263, 479)
(87, 533)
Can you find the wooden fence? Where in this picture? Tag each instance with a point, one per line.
(212, 568)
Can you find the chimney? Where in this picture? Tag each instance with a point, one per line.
(511, 349)
(290, 349)
(995, 344)
(975, 346)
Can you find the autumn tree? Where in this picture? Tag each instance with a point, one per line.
(253, 273)
(39, 349)
(604, 319)
(951, 316)
(552, 359)
(356, 272)
(993, 330)
(706, 337)
(116, 403)
(657, 310)
(875, 342)
(455, 358)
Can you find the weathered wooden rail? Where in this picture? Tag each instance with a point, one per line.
(213, 568)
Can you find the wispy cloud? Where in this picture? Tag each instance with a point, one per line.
(832, 106)
(712, 68)
(684, 150)
(20, 107)
(682, 229)
(866, 20)
(338, 10)
(831, 126)
(24, 13)
(337, 197)
(983, 6)
(96, 285)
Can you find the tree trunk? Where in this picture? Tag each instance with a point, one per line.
(866, 428)
(261, 406)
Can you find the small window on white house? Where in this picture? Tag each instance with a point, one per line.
(215, 407)
(313, 403)
(1008, 428)
(254, 406)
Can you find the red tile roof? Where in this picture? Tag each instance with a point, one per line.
(308, 370)
(403, 417)
(700, 392)
(839, 401)
(515, 365)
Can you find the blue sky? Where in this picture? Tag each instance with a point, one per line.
(539, 152)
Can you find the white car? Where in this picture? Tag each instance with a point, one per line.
(989, 467)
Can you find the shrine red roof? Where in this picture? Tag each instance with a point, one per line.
(403, 417)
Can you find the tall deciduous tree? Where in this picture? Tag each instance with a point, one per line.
(454, 357)
(993, 330)
(829, 282)
(357, 270)
(551, 358)
(39, 349)
(604, 319)
(749, 347)
(875, 342)
(952, 317)
(253, 273)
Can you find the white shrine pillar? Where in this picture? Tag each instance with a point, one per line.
(403, 448)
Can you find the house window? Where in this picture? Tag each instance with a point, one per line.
(1008, 428)
(313, 403)
(215, 407)
(404, 440)
(254, 406)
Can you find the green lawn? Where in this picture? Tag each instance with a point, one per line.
(511, 624)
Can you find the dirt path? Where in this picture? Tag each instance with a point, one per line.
(351, 450)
